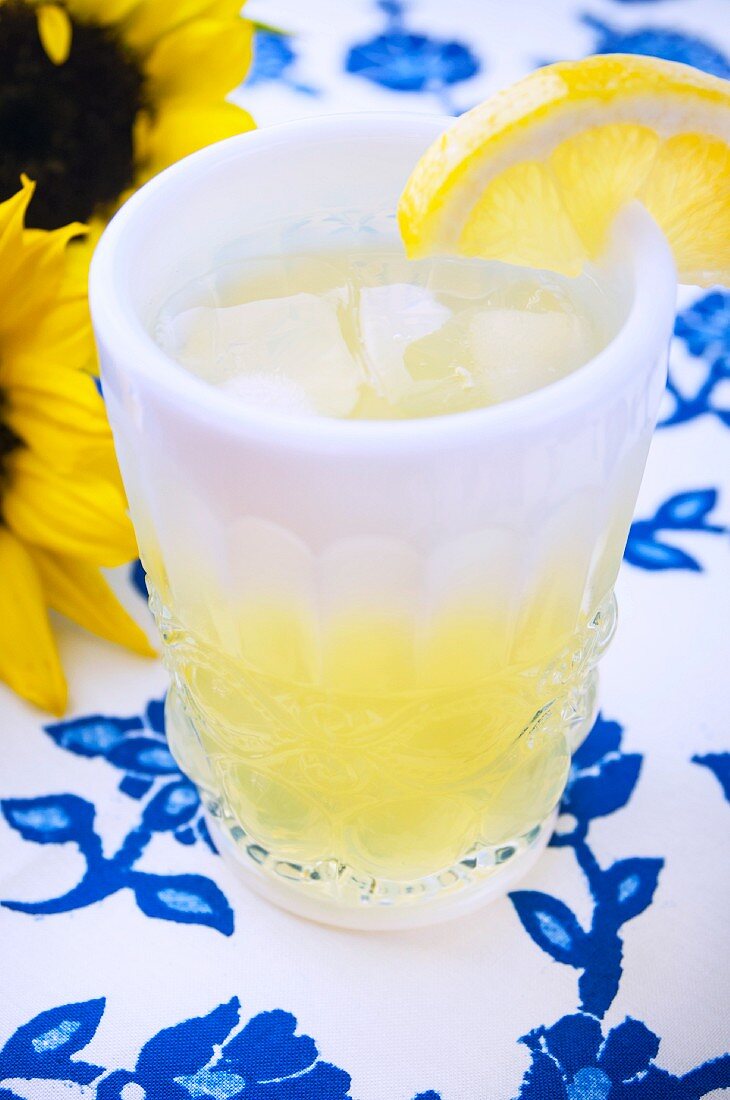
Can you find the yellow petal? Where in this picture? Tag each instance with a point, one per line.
(59, 415)
(29, 662)
(78, 590)
(66, 396)
(60, 334)
(12, 215)
(54, 31)
(32, 273)
(151, 19)
(206, 58)
(181, 128)
(66, 449)
(84, 516)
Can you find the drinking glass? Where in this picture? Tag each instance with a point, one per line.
(381, 635)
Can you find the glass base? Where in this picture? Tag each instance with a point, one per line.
(457, 892)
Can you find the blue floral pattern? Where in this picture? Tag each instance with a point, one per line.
(167, 803)
(403, 61)
(209, 1056)
(673, 45)
(572, 1060)
(682, 512)
(602, 779)
(275, 59)
(704, 330)
(160, 854)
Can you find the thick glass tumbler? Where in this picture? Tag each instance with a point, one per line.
(381, 635)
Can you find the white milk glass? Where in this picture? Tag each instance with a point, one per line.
(381, 635)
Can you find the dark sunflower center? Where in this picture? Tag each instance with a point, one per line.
(69, 126)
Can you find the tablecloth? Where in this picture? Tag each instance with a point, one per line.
(133, 965)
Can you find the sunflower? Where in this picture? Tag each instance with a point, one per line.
(62, 506)
(96, 96)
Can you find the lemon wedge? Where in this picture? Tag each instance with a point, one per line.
(536, 174)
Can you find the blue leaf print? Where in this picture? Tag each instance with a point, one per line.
(169, 804)
(186, 1047)
(267, 1047)
(187, 899)
(719, 764)
(647, 553)
(52, 819)
(42, 1048)
(173, 805)
(144, 755)
(629, 885)
(92, 736)
(552, 925)
(686, 510)
(155, 715)
(590, 796)
(135, 786)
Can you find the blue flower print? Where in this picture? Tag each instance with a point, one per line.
(136, 746)
(209, 1057)
(705, 325)
(403, 61)
(704, 329)
(274, 57)
(571, 1060)
(601, 781)
(683, 512)
(406, 62)
(660, 42)
(168, 803)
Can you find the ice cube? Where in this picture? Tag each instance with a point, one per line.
(287, 352)
(390, 318)
(514, 351)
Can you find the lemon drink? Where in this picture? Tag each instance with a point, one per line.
(382, 601)
(360, 737)
(365, 333)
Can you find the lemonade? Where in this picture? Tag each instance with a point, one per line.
(383, 740)
(365, 333)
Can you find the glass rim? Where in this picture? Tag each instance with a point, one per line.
(642, 336)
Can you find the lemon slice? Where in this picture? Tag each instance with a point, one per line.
(536, 174)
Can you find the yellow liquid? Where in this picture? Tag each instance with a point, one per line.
(359, 748)
(363, 739)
